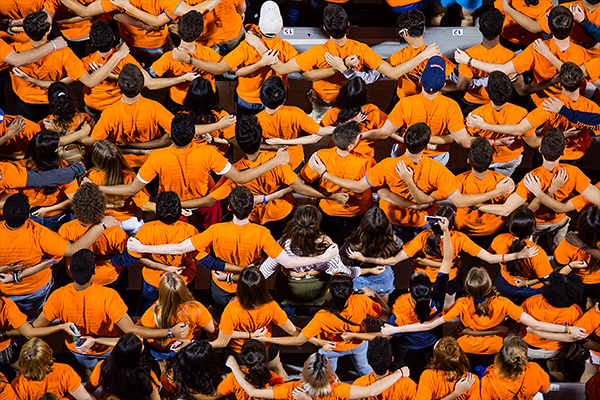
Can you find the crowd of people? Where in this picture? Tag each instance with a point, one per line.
(93, 183)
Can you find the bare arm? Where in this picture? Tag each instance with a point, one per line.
(376, 388)
(150, 19)
(399, 201)
(250, 174)
(513, 202)
(528, 23)
(130, 189)
(162, 83)
(91, 10)
(206, 201)
(136, 246)
(91, 80)
(30, 56)
(382, 133)
(163, 141)
(88, 238)
(519, 129)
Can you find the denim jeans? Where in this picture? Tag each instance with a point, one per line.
(442, 158)
(147, 298)
(55, 222)
(160, 355)
(245, 108)
(89, 361)
(31, 303)
(358, 355)
(382, 284)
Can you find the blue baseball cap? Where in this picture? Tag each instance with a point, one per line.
(1, 116)
(433, 76)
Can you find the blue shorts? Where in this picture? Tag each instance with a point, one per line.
(382, 284)
(90, 361)
(469, 5)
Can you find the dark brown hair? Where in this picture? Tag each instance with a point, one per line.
(252, 291)
(304, 232)
(374, 237)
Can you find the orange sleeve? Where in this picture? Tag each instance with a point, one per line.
(590, 321)
(465, 71)
(149, 170)
(50, 308)
(524, 61)
(53, 244)
(227, 385)
(202, 242)
(74, 66)
(237, 56)
(396, 116)
(512, 310)
(307, 60)
(541, 264)
(446, 182)
(426, 384)
(313, 328)
(204, 316)
(222, 190)
(269, 244)
(102, 128)
(538, 117)
(5, 50)
(286, 174)
(226, 324)
(376, 175)
(342, 391)
(522, 191)
(374, 309)
(14, 316)
(72, 381)
(593, 69)
(456, 121)
(163, 117)
(580, 202)
(94, 379)
(279, 316)
(469, 246)
(371, 59)
(308, 174)
(217, 161)
(147, 318)
(414, 246)
(562, 253)
(284, 392)
(161, 65)
(307, 123)
(453, 311)
(582, 181)
(115, 307)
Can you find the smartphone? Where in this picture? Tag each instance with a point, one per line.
(80, 342)
(75, 330)
(433, 220)
(175, 345)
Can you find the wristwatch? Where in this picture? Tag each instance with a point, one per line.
(169, 333)
(102, 224)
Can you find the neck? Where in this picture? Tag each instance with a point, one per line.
(489, 44)
(106, 53)
(272, 111)
(14, 228)
(378, 377)
(588, 6)
(413, 157)
(240, 222)
(572, 95)
(339, 42)
(562, 44)
(253, 156)
(190, 47)
(479, 175)
(38, 43)
(550, 165)
(429, 95)
(131, 100)
(415, 43)
(79, 287)
(180, 147)
(341, 152)
(496, 107)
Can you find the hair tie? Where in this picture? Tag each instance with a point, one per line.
(479, 301)
(61, 94)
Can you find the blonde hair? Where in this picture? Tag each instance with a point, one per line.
(511, 360)
(35, 359)
(317, 376)
(450, 358)
(172, 295)
(479, 285)
(107, 158)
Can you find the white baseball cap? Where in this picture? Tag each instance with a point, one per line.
(270, 21)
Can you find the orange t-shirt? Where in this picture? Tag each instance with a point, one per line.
(95, 381)
(578, 35)
(375, 119)
(543, 70)
(566, 252)
(239, 245)
(404, 310)
(575, 146)
(441, 114)
(184, 171)
(314, 57)
(403, 389)
(5, 49)
(236, 318)
(244, 54)
(18, 144)
(53, 67)
(429, 175)
(17, 9)
(339, 391)
(539, 308)
(496, 55)
(287, 123)
(12, 176)
(592, 387)
(230, 386)
(531, 268)
(149, 40)
(37, 197)
(515, 33)
(166, 64)
(327, 326)
(533, 380)
(78, 31)
(591, 323)
(475, 222)
(580, 202)
(222, 23)
(499, 308)
(10, 318)
(352, 166)
(266, 184)
(434, 385)
(577, 182)
(61, 381)
(460, 242)
(110, 243)
(132, 204)
(407, 86)
(74, 124)
(133, 123)
(156, 233)
(193, 314)
(94, 310)
(507, 115)
(6, 391)
(226, 133)
(29, 245)
(107, 92)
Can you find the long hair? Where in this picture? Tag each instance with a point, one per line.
(374, 237)
(479, 286)
(172, 296)
(193, 370)
(317, 376)
(420, 289)
(107, 158)
(124, 373)
(304, 232)
(340, 288)
(512, 359)
(521, 225)
(41, 155)
(255, 358)
(351, 98)
(35, 359)
(450, 358)
(202, 102)
(62, 104)
(588, 228)
(252, 291)
(433, 243)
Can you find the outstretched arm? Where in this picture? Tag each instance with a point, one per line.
(528, 23)
(134, 245)
(30, 56)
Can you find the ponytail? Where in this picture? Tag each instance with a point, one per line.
(521, 225)
(479, 286)
(433, 244)
(514, 267)
(420, 290)
(512, 359)
(255, 357)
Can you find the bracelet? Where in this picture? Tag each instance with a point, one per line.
(493, 144)
(503, 258)
(249, 335)
(585, 247)
(169, 333)
(53, 44)
(102, 224)
(470, 60)
(526, 282)
(17, 276)
(402, 373)
(566, 327)
(191, 60)
(264, 199)
(3, 334)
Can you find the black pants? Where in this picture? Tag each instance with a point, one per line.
(32, 112)
(171, 105)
